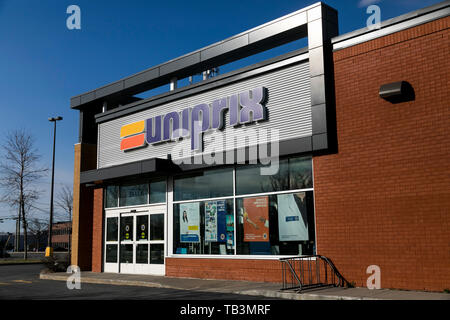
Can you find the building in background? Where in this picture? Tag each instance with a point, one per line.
(61, 235)
(62, 232)
(36, 242)
(362, 121)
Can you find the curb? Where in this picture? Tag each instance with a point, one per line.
(265, 293)
(19, 263)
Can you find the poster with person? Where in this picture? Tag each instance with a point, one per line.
(190, 222)
(292, 217)
(255, 214)
(215, 221)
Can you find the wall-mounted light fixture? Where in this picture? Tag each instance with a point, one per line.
(397, 92)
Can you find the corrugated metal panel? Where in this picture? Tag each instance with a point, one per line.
(288, 106)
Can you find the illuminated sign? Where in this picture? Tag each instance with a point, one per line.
(244, 108)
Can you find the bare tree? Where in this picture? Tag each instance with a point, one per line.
(19, 172)
(37, 228)
(64, 200)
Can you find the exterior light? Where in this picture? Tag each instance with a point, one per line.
(49, 249)
(397, 92)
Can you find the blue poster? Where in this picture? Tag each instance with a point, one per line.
(215, 221)
(230, 229)
(221, 221)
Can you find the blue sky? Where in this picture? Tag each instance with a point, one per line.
(43, 63)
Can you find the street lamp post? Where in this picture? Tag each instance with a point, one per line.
(49, 249)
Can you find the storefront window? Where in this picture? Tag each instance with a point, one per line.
(203, 185)
(126, 229)
(293, 174)
(250, 181)
(205, 227)
(126, 253)
(142, 253)
(111, 229)
(142, 228)
(157, 254)
(277, 218)
(131, 195)
(158, 191)
(111, 195)
(300, 173)
(280, 224)
(157, 227)
(111, 253)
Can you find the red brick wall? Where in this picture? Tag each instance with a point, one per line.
(97, 231)
(384, 198)
(85, 157)
(229, 269)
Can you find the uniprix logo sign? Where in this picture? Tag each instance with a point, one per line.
(243, 108)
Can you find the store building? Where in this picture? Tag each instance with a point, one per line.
(339, 149)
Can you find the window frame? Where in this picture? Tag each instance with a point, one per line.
(146, 182)
(171, 205)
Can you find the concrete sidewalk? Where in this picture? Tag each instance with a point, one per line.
(271, 290)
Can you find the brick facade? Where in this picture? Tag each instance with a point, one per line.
(97, 231)
(229, 269)
(85, 159)
(61, 234)
(384, 198)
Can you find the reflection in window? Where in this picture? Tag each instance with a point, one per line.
(111, 253)
(156, 254)
(205, 227)
(158, 191)
(157, 227)
(206, 184)
(126, 253)
(280, 224)
(132, 195)
(112, 194)
(111, 229)
(300, 173)
(126, 229)
(141, 228)
(293, 174)
(142, 253)
(249, 179)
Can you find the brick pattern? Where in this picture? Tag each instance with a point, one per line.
(384, 198)
(97, 231)
(228, 269)
(84, 159)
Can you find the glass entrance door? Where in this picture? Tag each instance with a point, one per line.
(141, 241)
(127, 243)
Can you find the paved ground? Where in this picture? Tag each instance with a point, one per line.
(22, 282)
(27, 282)
(269, 290)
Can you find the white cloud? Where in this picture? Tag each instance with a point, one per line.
(366, 3)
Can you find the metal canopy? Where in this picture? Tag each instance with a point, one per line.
(318, 22)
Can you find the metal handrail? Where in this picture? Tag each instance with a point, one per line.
(313, 271)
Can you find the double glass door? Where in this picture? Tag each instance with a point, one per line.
(140, 242)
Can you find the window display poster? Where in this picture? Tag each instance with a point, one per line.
(230, 230)
(255, 214)
(292, 218)
(190, 222)
(215, 221)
